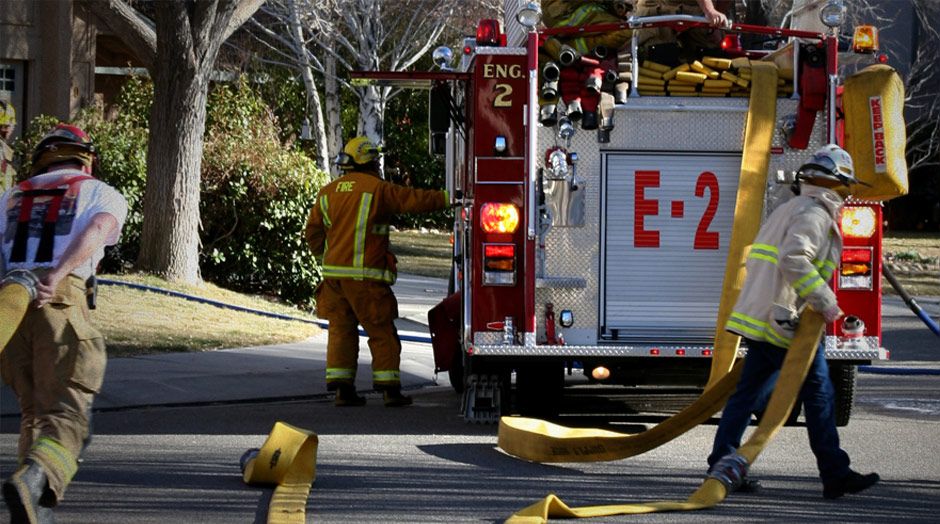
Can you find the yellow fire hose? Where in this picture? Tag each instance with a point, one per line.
(17, 290)
(542, 441)
(287, 460)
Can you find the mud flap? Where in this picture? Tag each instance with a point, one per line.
(444, 324)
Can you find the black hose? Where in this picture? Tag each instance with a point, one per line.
(909, 300)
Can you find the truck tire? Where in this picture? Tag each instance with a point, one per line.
(843, 381)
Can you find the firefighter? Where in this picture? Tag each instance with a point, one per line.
(794, 254)
(664, 45)
(7, 125)
(55, 224)
(348, 226)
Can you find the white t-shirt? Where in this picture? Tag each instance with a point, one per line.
(75, 215)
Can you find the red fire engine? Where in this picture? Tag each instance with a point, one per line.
(604, 251)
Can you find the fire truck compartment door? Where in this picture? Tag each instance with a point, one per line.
(666, 228)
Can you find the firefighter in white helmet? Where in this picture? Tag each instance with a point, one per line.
(55, 224)
(793, 256)
(7, 125)
(348, 226)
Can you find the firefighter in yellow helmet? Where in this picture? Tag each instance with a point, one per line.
(7, 125)
(348, 226)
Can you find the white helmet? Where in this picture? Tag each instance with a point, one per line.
(831, 163)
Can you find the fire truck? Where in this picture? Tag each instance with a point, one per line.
(595, 248)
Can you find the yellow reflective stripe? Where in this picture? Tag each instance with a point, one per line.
(386, 376)
(581, 46)
(766, 247)
(446, 198)
(758, 329)
(359, 249)
(324, 209)
(764, 252)
(825, 267)
(358, 272)
(340, 373)
(761, 256)
(57, 455)
(811, 286)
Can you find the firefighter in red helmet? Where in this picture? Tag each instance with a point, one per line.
(348, 227)
(55, 225)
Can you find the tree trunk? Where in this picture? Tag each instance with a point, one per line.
(169, 244)
(372, 116)
(333, 110)
(314, 108)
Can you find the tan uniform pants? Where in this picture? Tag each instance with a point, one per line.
(346, 303)
(690, 40)
(55, 363)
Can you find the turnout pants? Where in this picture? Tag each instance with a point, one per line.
(346, 303)
(55, 364)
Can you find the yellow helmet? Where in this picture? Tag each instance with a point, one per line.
(7, 114)
(361, 150)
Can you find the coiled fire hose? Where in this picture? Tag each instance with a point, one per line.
(909, 300)
(542, 441)
(17, 290)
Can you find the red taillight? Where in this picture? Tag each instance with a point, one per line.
(706, 352)
(499, 218)
(500, 250)
(488, 32)
(856, 255)
(731, 43)
(467, 50)
(654, 352)
(499, 264)
(680, 352)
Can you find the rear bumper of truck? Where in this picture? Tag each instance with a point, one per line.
(863, 350)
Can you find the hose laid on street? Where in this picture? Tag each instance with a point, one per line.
(288, 461)
(717, 486)
(909, 300)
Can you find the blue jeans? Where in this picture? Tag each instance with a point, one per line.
(761, 368)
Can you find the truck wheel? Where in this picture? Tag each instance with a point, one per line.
(456, 372)
(843, 381)
(539, 389)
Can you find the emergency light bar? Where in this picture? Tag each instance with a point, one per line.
(865, 39)
(488, 33)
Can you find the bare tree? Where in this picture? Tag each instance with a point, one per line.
(178, 47)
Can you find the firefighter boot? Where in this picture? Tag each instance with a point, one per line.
(22, 493)
(346, 396)
(394, 398)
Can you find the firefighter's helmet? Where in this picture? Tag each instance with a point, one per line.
(64, 143)
(7, 114)
(358, 151)
(829, 164)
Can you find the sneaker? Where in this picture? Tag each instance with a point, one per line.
(854, 482)
(346, 397)
(394, 399)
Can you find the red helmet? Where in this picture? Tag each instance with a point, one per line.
(64, 143)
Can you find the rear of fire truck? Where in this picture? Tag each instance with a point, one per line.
(596, 191)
